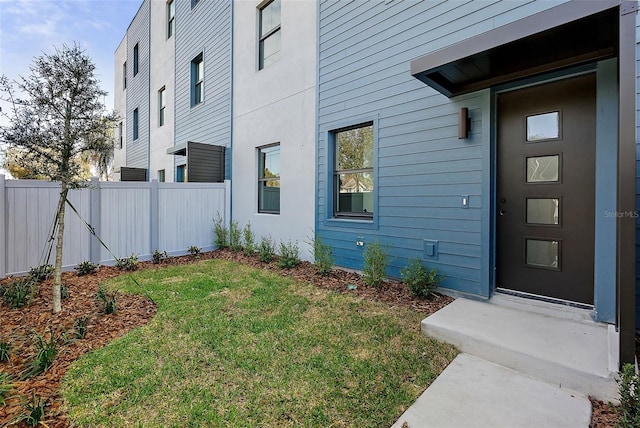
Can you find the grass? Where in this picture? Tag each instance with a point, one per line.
(237, 346)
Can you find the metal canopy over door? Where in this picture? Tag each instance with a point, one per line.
(545, 189)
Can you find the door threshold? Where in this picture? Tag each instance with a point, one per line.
(557, 308)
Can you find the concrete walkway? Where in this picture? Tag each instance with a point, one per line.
(524, 364)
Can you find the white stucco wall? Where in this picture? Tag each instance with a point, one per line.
(276, 105)
(120, 106)
(162, 63)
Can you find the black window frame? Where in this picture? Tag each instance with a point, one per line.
(262, 180)
(162, 105)
(171, 18)
(136, 124)
(335, 185)
(136, 59)
(124, 75)
(197, 80)
(120, 136)
(262, 37)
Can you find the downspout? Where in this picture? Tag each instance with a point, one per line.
(626, 227)
(231, 115)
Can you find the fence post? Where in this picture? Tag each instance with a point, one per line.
(3, 229)
(94, 220)
(154, 223)
(227, 203)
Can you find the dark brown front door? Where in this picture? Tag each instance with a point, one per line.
(545, 189)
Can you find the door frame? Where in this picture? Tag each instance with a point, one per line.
(604, 308)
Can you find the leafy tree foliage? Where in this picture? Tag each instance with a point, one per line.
(59, 124)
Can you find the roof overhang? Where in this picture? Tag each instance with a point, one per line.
(178, 150)
(571, 34)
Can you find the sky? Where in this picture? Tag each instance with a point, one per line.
(29, 28)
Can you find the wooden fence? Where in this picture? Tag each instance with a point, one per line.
(129, 217)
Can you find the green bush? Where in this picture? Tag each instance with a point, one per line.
(45, 355)
(235, 237)
(33, 414)
(376, 260)
(629, 389)
(421, 280)
(221, 232)
(128, 263)
(80, 327)
(41, 273)
(4, 351)
(6, 385)
(194, 250)
(64, 291)
(289, 255)
(249, 240)
(107, 299)
(266, 249)
(158, 256)
(86, 268)
(18, 292)
(323, 255)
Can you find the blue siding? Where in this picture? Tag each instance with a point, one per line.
(206, 29)
(423, 169)
(138, 88)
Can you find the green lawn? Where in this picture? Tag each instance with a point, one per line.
(236, 346)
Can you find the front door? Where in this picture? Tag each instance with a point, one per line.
(545, 189)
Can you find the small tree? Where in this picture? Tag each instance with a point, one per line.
(59, 124)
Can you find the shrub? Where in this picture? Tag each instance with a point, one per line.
(64, 291)
(221, 232)
(18, 292)
(41, 273)
(235, 237)
(45, 355)
(375, 264)
(629, 389)
(266, 249)
(421, 280)
(194, 251)
(6, 385)
(108, 300)
(4, 351)
(157, 256)
(128, 263)
(249, 240)
(80, 327)
(323, 255)
(33, 414)
(86, 268)
(289, 255)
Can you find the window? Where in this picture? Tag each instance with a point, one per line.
(135, 60)
(124, 75)
(194, 3)
(161, 176)
(269, 179)
(161, 106)
(197, 80)
(171, 17)
(135, 124)
(120, 136)
(353, 176)
(269, 33)
(181, 173)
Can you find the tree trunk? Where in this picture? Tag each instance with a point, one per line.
(57, 277)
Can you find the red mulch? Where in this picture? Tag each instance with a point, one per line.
(18, 325)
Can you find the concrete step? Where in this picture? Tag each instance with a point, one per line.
(472, 392)
(571, 352)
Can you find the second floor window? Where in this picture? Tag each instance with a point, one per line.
(161, 106)
(135, 59)
(197, 80)
(120, 136)
(171, 17)
(124, 75)
(135, 124)
(269, 34)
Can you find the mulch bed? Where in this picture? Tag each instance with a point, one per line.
(18, 325)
